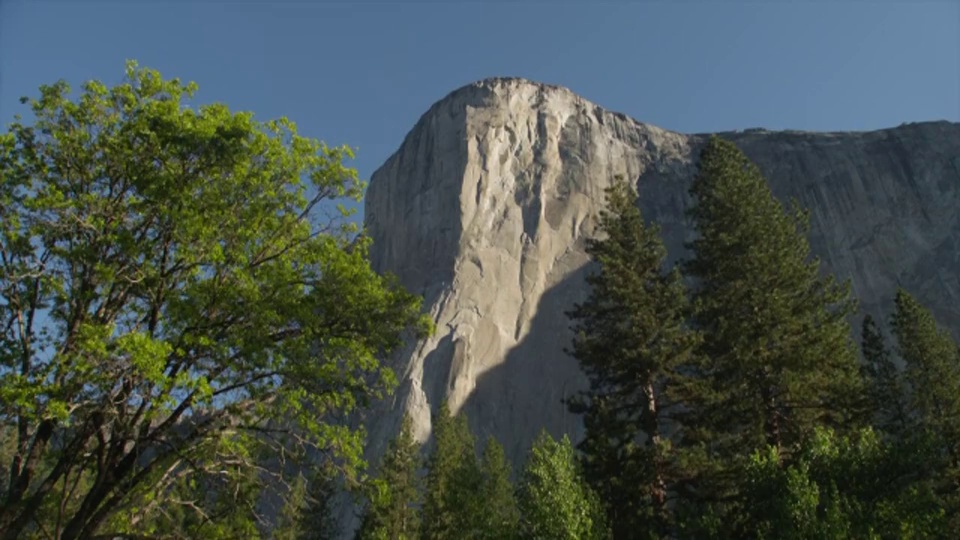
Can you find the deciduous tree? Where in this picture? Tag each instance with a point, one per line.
(172, 303)
(555, 501)
(841, 487)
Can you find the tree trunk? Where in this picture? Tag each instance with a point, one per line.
(772, 420)
(658, 485)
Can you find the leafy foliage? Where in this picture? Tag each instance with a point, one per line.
(555, 501)
(315, 519)
(173, 308)
(839, 487)
(931, 360)
(188, 315)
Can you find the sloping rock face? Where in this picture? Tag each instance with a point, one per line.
(485, 207)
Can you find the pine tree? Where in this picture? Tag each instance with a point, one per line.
(498, 514)
(391, 512)
(932, 371)
(778, 358)
(930, 356)
(287, 526)
(885, 386)
(630, 337)
(555, 501)
(453, 479)
(317, 520)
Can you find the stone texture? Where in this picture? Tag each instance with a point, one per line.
(485, 207)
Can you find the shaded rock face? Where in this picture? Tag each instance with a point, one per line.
(485, 208)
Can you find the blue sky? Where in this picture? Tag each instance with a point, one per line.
(361, 73)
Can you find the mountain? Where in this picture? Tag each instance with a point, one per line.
(485, 207)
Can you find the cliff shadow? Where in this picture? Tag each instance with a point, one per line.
(514, 400)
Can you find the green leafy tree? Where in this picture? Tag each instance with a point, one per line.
(886, 388)
(172, 305)
(453, 479)
(199, 504)
(554, 499)
(394, 496)
(777, 355)
(841, 487)
(630, 339)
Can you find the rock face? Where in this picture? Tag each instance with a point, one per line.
(485, 207)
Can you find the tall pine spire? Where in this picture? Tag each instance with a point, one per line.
(932, 371)
(630, 336)
(453, 478)
(886, 393)
(391, 511)
(777, 355)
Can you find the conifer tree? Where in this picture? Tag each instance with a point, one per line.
(886, 392)
(317, 520)
(453, 479)
(931, 367)
(288, 520)
(778, 358)
(391, 512)
(498, 516)
(630, 336)
(555, 501)
(307, 513)
(932, 371)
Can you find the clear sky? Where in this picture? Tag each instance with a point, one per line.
(361, 73)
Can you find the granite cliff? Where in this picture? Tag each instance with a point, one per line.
(485, 207)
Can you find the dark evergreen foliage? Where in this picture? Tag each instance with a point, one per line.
(886, 393)
(393, 497)
(932, 373)
(453, 478)
(630, 339)
(739, 410)
(776, 342)
(776, 359)
(498, 516)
